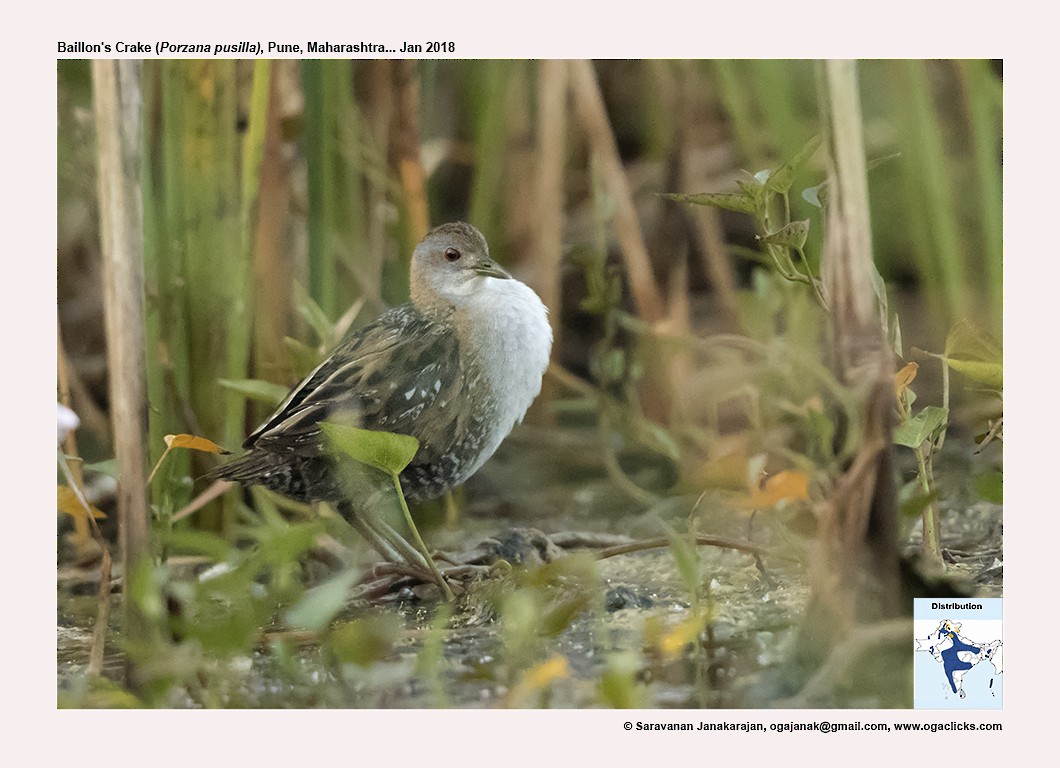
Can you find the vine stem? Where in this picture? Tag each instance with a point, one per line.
(439, 579)
(932, 544)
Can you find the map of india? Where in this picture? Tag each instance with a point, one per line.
(959, 654)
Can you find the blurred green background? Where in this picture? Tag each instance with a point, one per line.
(266, 182)
(282, 200)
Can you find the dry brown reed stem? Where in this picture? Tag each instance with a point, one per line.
(856, 575)
(379, 108)
(846, 264)
(405, 138)
(589, 103)
(669, 368)
(551, 133)
(118, 109)
(706, 224)
(517, 170)
(74, 394)
(706, 220)
(273, 273)
(552, 94)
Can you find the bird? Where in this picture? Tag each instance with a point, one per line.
(456, 367)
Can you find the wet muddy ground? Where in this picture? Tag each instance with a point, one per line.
(750, 616)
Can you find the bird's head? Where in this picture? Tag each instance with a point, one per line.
(452, 264)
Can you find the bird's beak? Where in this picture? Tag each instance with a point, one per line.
(492, 269)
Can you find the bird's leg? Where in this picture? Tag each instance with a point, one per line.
(395, 548)
(419, 560)
(452, 509)
(409, 554)
(375, 540)
(369, 520)
(389, 543)
(438, 578)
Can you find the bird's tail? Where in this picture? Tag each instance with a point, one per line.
(262, 468)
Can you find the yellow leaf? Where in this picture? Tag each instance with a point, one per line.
(674, 641)
(990, 374)
(728, 472)
(537, 678)
(786, 485)
(904, 378)
(194, 443)
(554, 668)
(69, 504)
(975, 353)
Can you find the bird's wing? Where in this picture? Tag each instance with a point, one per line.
(390, 375)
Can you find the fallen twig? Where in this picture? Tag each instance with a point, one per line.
(204, 498)
(702, 540)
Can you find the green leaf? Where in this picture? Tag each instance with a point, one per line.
(221, 625)
(822, 429)
(780, 180)
(365, 641)
(875, 163)
(990, 486)
(730, 201)
(922, 426)
(915, 505)
(793, 234)
(618, 686)
(107, 467)
(879, 287)
(318, 606)
(97, 692)
(563, 612)
(753, 189)
(570, 571)
(686, 557)
(658, 439)
(256, 389)
(303, 357)
(896, 335)
(314, 315)
(812, 196)
(284, 543)
(201, 542)
(975, 353)
(387, 451)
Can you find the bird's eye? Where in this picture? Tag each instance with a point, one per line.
(452, 254)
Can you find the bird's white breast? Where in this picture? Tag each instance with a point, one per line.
(504, 332)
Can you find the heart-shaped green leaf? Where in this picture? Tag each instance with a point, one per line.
(387, 451)
(780, 180)
(922, 426)
(793, 234)
(730, 201)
